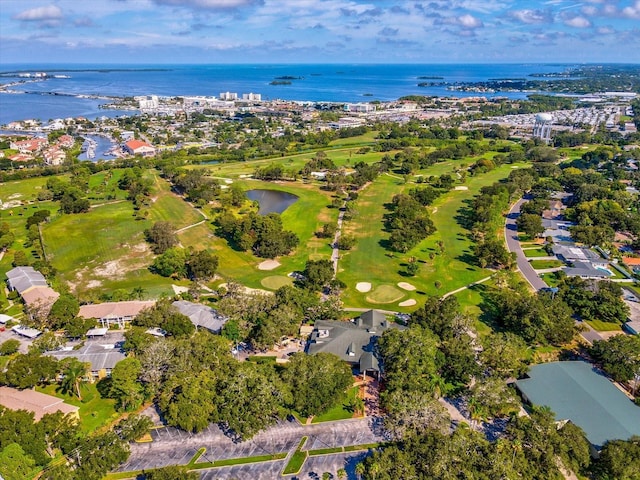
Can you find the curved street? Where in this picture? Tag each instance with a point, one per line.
(513, 245)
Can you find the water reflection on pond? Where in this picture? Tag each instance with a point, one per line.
(272, 201)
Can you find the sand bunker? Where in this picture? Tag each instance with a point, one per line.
(363, 287)
(461, 187)
(406, 286)
(407, 303)
(177, 289)
(269, 265)
(250, 291)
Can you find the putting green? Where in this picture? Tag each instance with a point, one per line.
(385, 294)
(274, 282)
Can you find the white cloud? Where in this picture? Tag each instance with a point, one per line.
(40, 14)
(632, 12)
(210, 4)
(578, 22)
(531, 16)
(469, 21)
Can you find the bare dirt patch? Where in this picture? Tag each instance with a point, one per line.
(363, 287)
(268, 265)
(406, 286)
(461, 187)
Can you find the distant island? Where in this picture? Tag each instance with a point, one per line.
(579, 80)
(430, 77)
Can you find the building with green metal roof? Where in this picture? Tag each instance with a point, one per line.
(579, 392)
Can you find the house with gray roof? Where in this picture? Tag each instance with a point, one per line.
(353, 341)
(587, 270)
(574, 253)
(102, 353)
(22, 279)
(578, 392)
(201, 315)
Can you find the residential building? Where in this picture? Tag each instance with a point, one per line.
(252, 97)
(33, 288)
(114, 313)
(201, 316)
(102, 353)
(38, 403)
(632, 263)
(229, 96)
(578, 392)
(573, 253)
(24, 278)
(66, 141)
(33, 145)
(54, 156)
(587, 270)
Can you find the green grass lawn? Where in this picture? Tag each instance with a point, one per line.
(601, 326)
(95, 411)
(370, 262)
(535, 252)
(304, 218)
(550, 279)
(339, 412)
(104, 249)
(542, 264)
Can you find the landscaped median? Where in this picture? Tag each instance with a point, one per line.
(297, 459)
(194, 465)
(296, 462)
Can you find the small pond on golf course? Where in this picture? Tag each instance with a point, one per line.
(271, 201)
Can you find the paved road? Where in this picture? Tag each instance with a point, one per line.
(513, 245)
(171, 446)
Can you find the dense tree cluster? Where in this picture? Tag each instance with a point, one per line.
(537, 318)
(533, 447)
(619, 356)
(263, 235)
(161, 236)
(165, 316)
(27, 445)
(408, 222)
(70, 195)
(594, 300)
(180, 263)
(196, 185)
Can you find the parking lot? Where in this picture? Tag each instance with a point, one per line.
(171, 446)
(9, 334)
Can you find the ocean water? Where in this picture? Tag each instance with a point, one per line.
(319, 82)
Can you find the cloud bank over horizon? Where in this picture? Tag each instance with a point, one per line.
(319, 31)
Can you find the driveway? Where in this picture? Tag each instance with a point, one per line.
(513, 245)
(171, 446)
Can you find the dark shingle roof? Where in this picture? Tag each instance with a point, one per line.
(351, 341)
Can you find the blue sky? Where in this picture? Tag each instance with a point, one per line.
(319, 31)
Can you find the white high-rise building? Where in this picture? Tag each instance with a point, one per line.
(256, 97)
(228, 96)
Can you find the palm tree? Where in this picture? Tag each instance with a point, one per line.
(73, 375)
(360, 469)
(342, 474)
